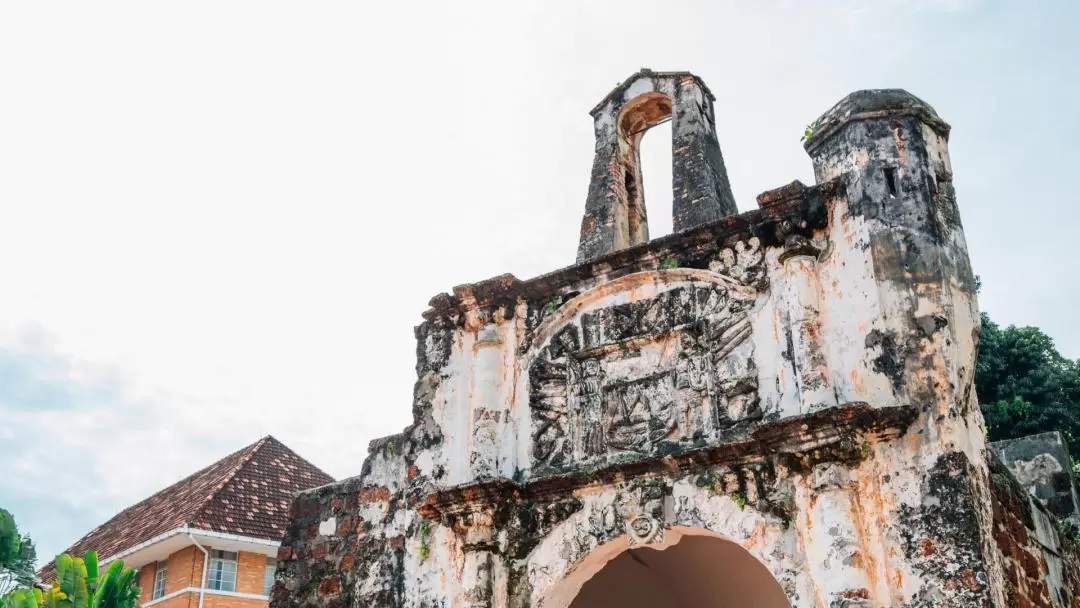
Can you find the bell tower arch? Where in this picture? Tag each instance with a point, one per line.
(615, 216)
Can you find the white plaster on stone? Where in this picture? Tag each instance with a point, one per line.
(328, 527)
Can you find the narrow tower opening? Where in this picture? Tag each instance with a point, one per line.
(656, 178)
(638, 118)
(890, 181)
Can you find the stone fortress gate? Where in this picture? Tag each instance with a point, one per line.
(766, 409)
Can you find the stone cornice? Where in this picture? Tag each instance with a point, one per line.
(805, 209)
(827, 435)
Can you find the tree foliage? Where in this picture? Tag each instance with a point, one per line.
(78, 585)
(9, 539)
(77, 582)
(1025, 385)
(17, 555)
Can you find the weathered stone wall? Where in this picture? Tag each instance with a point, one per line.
(797, 379)
(1041, 554)
(1042, 464)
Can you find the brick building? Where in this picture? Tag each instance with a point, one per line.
(210, 540)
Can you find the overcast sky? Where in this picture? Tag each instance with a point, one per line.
(220, 220)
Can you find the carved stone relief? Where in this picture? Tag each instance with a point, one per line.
(650, 375)
(638, 511)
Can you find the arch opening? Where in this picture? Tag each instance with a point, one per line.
(657, 177)
(694, 569)
(636, 118)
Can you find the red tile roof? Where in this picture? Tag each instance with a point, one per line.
(246, 493)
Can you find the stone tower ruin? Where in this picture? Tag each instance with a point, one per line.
(773, 408)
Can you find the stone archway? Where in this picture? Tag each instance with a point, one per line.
(692, 568)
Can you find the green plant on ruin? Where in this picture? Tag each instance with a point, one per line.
(551, 306)
(864, 449)
(787, 500)
(78, 585)
(710, 484)
(809, 131)
(740, 498)
(425, 540)
(391, 449)
(669, 263)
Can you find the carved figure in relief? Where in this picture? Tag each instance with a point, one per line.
(663, 423)
(585, 380)
(741, 400)
(566, 342)
(548, 402)
(693, 384)
(548, 440)
(591, 396)
(628, 427)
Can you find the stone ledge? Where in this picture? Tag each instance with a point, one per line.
(803, 211)
(873, 104)
(647, 73)
(828, 435)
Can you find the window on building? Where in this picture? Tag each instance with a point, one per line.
(268, 579)
(222, 571)
(161, 575)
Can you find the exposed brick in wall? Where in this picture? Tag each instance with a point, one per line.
(319, 570)
(1041, 556)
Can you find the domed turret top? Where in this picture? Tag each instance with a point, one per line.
(870, 104)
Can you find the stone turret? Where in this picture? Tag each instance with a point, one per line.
(890, 150)
(615, 216)
(893, 150)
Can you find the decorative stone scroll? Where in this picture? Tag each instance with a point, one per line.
(640, 510)
(650, 375)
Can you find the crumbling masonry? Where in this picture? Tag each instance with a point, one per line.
(767, 409)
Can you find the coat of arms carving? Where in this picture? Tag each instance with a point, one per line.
(641, 376)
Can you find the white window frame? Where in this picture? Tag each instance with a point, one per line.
(161, 577)
(222, 574)
(269, 571)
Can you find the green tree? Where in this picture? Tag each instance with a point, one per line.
(78, 585)
(17, 555)
(1025, 385)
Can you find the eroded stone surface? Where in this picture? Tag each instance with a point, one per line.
(797, 380)
(1042, 464)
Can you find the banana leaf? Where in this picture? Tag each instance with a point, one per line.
(91, 561)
